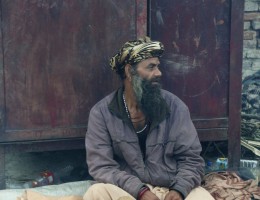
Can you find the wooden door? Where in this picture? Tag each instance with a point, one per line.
(55, 63)
(203, 61)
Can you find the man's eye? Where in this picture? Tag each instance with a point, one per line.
(151, 66)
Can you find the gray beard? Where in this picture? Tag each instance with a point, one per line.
(148, 96)
(137, 87)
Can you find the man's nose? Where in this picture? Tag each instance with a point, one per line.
(158, 72)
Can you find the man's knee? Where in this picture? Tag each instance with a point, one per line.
(95, 191)
(199, 193)
(105, 191)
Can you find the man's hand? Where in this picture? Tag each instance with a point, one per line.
(173, 195)
(148, 195)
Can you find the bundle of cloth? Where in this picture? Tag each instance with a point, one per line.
(228, 185)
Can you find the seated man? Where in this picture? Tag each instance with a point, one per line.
(141, 142)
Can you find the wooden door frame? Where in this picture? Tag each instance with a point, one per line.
(236, 60)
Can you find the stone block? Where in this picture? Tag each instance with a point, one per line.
(253, 53)
(247, 25)
(245, 53)
(249, 35)
(251, 16)
(256, 24)
(251, 6)
(247, 64)
(251, 44)
(246, 73)
(256, 64)
(252, 1)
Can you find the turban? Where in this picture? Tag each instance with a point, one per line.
(135, 51)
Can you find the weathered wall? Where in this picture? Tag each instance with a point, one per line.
(251, 53)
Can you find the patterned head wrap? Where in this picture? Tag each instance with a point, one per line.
(135, 51)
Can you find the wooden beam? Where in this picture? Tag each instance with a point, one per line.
(236, 51)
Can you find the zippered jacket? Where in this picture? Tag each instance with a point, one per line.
(172, 157)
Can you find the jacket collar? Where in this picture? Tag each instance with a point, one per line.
(116, 106)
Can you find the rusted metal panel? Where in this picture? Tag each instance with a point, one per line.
(196, 62)
(57, 59)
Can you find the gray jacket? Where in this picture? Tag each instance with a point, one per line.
(173, 149)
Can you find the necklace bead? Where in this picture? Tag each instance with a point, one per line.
(128, 115)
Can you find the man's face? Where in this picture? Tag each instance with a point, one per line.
(146, 86)
(149, 70)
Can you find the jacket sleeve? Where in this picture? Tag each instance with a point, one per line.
(190, 165)
(102, 167)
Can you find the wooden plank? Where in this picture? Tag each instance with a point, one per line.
(236, 51)
(40, 146)
(210, 123)
(42, 134)
(217, 134)
(249, 146)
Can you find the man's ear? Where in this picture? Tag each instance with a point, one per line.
(127, 71)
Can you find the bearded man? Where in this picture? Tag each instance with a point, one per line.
(141, 143)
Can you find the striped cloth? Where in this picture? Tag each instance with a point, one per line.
(135, 51)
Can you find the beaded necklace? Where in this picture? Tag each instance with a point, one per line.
(128, 115)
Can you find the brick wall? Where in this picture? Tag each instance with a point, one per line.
(251, 52)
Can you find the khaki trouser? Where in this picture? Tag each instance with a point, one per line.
(101, 191)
